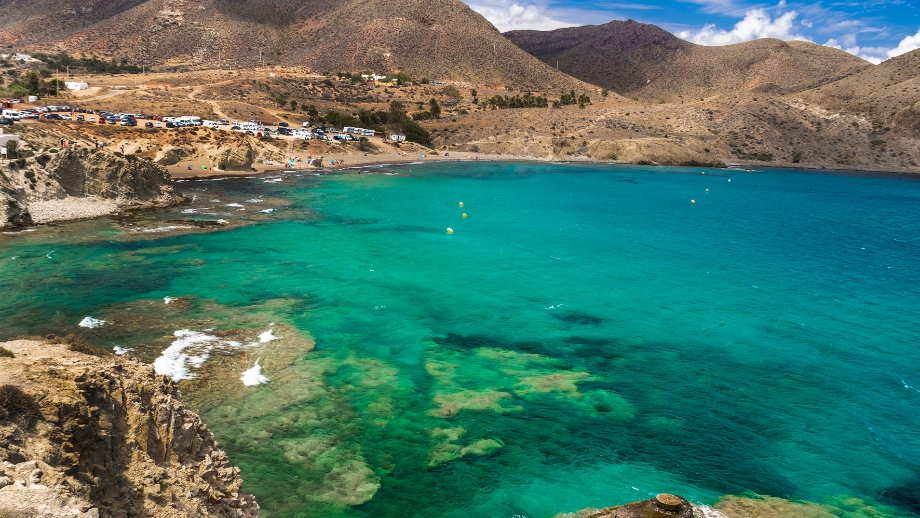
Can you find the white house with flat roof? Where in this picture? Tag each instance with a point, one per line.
(76, 85)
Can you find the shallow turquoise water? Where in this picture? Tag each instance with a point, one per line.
(609, 339)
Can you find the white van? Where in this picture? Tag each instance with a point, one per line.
(210, 124)
(11, 114)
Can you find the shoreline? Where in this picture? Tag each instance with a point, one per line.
(183, 175)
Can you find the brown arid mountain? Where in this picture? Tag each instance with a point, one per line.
(640, 60)
(437, 39)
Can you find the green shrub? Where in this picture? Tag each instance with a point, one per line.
(6, 353)
(14, 403)
(43, 160)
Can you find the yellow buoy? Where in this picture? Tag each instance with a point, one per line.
(729, 179)
(704, 172)
(461, 203)
(464, 215)
(450, 231)
(692, 201)
(707, 190)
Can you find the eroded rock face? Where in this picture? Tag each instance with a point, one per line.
(12, 212)
(113, 440)
(130, 181)
(76, 174)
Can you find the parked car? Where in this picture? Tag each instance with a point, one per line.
(148, 124)
(66, 118)
(223, 122)
(158, 125)
(101, 120)
(171, 125)
(81, 118)
(235, 128)
(283, 124)
(128, 122)
(92, 119)
(5, 121)
(52, 116)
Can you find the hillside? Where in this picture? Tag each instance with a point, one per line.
(888, 93)
(636, 59)
(442, 39)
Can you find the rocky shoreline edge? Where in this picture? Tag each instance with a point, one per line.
(89, 434)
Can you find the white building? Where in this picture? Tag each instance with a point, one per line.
(398, 137)
(76, 85)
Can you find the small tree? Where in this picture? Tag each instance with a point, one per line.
(45, 73)
(452, 92)
(605, 92)
(434, 108)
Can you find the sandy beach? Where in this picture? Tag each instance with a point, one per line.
(348, 161)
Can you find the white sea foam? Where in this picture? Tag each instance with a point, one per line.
(234, 205)
(253, 377)
(267, 336)
(267, 211)
(908, 386)
(254, 200)
(163, 229)
(708, 512)
(92, 323)
(189, 211)
(121, 351)
(189, 351)
(223, 221)
(275, 180)
(167, 300)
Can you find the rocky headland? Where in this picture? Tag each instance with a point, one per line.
(104, 436)
(46, 184)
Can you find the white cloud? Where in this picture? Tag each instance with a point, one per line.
(874, 55)
(907, 44)
(511, 16)
(756, 24)
(850, 41)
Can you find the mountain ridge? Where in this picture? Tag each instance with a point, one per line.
(636, 59)
(440, 39)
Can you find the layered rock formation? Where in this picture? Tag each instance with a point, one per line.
(74, 183)
(105, 437)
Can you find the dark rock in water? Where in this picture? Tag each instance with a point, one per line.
(662, 506)
(905, 496)
(200, 223)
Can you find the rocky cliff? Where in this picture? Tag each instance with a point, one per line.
(82, 435)
(50, 184)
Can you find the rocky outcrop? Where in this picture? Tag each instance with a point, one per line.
(238, 158)
(662, 506)
(112, 439)
(12, 213)
(103, 181)
(130, 181)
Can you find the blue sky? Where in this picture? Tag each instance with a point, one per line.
(872, 29)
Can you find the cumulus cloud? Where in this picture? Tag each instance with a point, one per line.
(907, 44)
(875, 55)
(511, 16)
(756, 24)
(848, 44)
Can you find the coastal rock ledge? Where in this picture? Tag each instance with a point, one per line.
(104, 436)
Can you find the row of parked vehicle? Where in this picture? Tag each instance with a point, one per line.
(252, 127)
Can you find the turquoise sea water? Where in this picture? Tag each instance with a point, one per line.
(585, 337)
